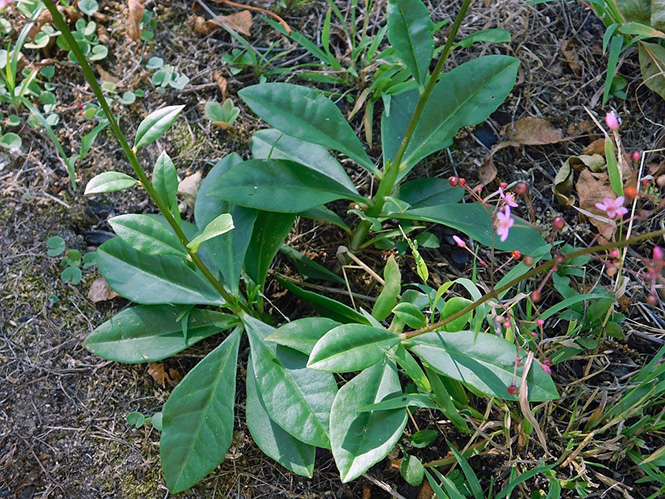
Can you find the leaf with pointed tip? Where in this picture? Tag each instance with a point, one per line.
(145, 233)
(305, 114)
(152, 280)
(297, 398)
(422, 192)
(220, 225)
(165, 180)
(410, 32)
(294, 455)
(452, 306)
(155, 125)
(351, 347)
(197, 424)
(482, 361)
(151, 333)
(361, 439)
(388, 297)
(109, 182)
(302, 334)
(269, 232)
(410, 315)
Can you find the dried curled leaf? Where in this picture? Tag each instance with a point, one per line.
(240, 22)
(532, 131)
(134, 18)
(563, 181)
(101, 291)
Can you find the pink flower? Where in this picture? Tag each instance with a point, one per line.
(4, 3)
(658, 253)
(614, 209)
(508, 198)
(503, 223)
(612, 121)
(547, 369)
(459, 242)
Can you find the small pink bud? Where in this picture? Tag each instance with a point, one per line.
(459, 242)
(614, 254)
(540, 322)
(637, 156)
(547, 369)
(533, 333)
(612, 121)
(506, 324)
(658, 253)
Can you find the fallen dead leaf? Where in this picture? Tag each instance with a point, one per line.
(189, 188)
(564, 179)
(426, 491)
(571, 54)
(593, 188)
(222, 84)
(596, 147)
(105, 76)
(532, 131)
(134, 18)
(101, 291)
(487, 171)
(240, 22)
(158, 372)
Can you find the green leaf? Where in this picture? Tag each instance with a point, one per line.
(151, 280)
(452, 306)
(297, 398)
(55, 245)
(222, 113)
(165, 180)
(155, 125)
(307, 268)
(152, 333)
(658, 14)
(324, 305)
(361, 439)
(474, 221)
(323, 214)
(483, 361)
(423, 438)
(302, 334)
(10, 140)
(198, 418)
(652, 61)
(145, 233)
(613, 167)
(410, 32)
(470, 475)
(72, 275)
(391, 289)
(635, 10)
(220, 225)
(135, 419)
(492, 35)
(109, 182)
(410, 315)
(400, 401)
(270, 231)
(351, 347)
(294, 455)
(273, 144)
(412, 470)
(279, 185)
(615, 51)
(305, 114)
(465, 96)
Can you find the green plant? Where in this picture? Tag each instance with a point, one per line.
(222, 115)
(166, 76)
(72, 260)
(193, 280)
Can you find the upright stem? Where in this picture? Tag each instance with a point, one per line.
(131, 155)
(387, 183)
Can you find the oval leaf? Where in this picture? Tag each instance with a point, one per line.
(302, 334)
(145, 233)
(351, 347)
(452, 306)
(220, 225)
(109, 182)
(197, 424)
(152, 333)
(279, 185)
(361, 439)
(410, 315)
(483, 361)
(165, 179)
(305, 114)
(155, 125)
(410, 32)
(391, 289)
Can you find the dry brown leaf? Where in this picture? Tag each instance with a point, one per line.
(240, 22)
(487, 171)
(571, 55)
(524, 403)
(593, 188)
(189, 188)
(134, 18)
(426, 491)
(596, 147)
(105, 76)
(204, 27)
(222, 84)
(533, 131)
(101, 291)
(157, 372)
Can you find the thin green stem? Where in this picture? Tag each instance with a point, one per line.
(388, 181)
(131, 155)
(536, 270)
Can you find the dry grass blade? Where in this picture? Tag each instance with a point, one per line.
(524, 403)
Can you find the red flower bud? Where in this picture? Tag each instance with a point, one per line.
(630, 193)
(535, 296)
(516, 254)
(521, 188)
(512, 389)
(528, 260)
(558, 223)
(454, 181)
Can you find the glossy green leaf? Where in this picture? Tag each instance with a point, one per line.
(152, 280)
(269, 232)
(474, 221)
(635, 10)
(400, 401)
(391, 289)
(423, 438)
(297, 398)
(410, 315)
(155, 125)
(288, 451)
(228, 250)
(471, 478)
(423, 192)
(152, 333)
(197, 425)
(279, 185)
(273, 144)
(323, 214)
(305, 114)
(325, 306)
(411, 368)
(410, 32)
(483, 361)
(109, 182)
(412, 470)
(302, 334)
(491, 35)
(351, 347)
(72, 275)
(10, 140)
(165, 180)
(452, 306)
(465, 96)
(308, 268)
(145, 233)
(361, 439)
(220, 225)
(652, 57)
